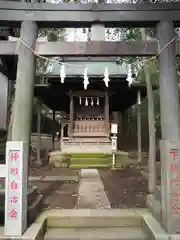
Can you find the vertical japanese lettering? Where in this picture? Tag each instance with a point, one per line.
(14, 171)
(14, 185)
(173, 168)
(13, 214)
(13, 199)
(14, 155)
(173, 153)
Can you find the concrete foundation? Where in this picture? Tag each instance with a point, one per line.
(119, 224)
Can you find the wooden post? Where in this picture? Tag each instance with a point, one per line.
(71, 115)
(106, 112)
(139, 140)
(38, 144)
(170, 129)
(62, 129)
(53, 130)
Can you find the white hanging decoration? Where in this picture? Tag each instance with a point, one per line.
(62, 73)
(106, 77)
(80, 101)
(49, 67)
(97, 101)
(129, 78)
(86, 102)
(92, 102)
(86, 81)
(138, 98)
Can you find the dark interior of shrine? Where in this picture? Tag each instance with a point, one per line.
(56, 94)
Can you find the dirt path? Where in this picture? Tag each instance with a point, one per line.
(57, 194)
(125, 188)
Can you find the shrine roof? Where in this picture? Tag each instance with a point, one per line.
(56, 94)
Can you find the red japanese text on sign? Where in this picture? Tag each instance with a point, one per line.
(14, 155)
(14, 171)
(175, 209)
(14, 185)
(174, 168)
(14, 199)
(175, 181)
(176, 196)
(173, 153)
(13, 214)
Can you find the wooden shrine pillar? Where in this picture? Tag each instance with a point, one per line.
(139, 132)
(122, 122)
(23, 100)
(71, 113)
(38, 145)
(53, 130)
(170, 129)
(106, 112)
(62, 126)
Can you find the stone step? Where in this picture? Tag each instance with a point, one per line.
(79, 166)
(124, 233)
(89, 161)
(92, 218)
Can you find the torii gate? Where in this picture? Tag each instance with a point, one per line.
(32, 16)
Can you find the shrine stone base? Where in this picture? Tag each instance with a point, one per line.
(86, 145)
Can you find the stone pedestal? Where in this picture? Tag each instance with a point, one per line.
(170, 185)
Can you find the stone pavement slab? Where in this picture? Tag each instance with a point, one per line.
(91, 190)
(53, 178)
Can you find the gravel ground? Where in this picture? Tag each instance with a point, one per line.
(125, 188)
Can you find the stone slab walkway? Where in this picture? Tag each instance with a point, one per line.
(53, 178)
(91, 190)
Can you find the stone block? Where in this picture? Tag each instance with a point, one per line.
(92, 218)
(154, 206)
(59, 159)
(170, 185)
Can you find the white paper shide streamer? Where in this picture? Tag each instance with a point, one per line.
(62, 73)
(106, 77)
(92, 102)
(129, 78)
(86, 80)
(49, 68)
(139, 98)
(86, 102)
